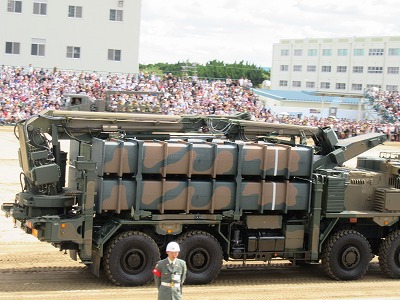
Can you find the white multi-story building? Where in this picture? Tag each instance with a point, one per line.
(341, 65)
(89, 35)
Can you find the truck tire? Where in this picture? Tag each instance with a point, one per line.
(389, 255)
(346, 255)
(129, 259)
(203, 255)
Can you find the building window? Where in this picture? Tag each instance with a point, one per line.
(310, 84)
(326, 69)
(326, 52)
(393, 70)
(373, 85)
(311, 68)
(40, 8)
(340, 86)
(282, 82)
(114, 55)
(296, 83)
(358, 69)
(298, 52)
(312, 52)
(375, 52)
(14, 6)
(394, 51)
(38, 47)
(342, 52)
(285, 52)
(73, 52)
(375, 70)
(116, 14)
(12, 48)
(356, 87)
(392, 88)
(75, 11)
(358, 52)
(284, 68)
(297, 68)
(341, 69)
(325, 85)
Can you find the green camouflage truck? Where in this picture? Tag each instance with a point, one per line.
(223, 187)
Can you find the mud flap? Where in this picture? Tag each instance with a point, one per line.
(95, 265)
(73, 254)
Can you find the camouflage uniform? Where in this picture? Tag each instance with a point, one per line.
(169, 278)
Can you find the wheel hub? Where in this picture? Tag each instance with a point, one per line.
(351, 257)
(133, 260)
(199, 258)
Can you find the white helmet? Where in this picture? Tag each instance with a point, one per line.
(173, 247)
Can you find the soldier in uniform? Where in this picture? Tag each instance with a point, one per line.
(170, 274)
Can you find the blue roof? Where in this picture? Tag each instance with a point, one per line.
(302, 96)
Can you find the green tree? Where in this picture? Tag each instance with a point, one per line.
(212, 70)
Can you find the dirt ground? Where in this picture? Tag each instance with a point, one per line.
(30, 269)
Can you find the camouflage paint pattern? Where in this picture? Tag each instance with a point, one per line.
(201, 158)
(189, 159)
(262, 159)
(115, 157)
(209, 159)
(268, 195)
(201, 195)
(115, 194)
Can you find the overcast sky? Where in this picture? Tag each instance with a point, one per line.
(235, 30)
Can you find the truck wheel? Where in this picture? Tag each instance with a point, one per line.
(346, 255)
(203, 256)
(389, 255)
(129, 259)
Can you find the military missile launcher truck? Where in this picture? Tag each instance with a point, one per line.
(225, 188)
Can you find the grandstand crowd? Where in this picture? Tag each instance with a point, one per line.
(25, 91)
(385, 103)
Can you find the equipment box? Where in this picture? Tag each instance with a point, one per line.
(294, 237)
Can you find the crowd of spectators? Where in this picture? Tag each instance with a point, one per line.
(385, 103)
(25, 91)
(344, 128)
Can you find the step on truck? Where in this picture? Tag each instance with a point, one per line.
(114, 188)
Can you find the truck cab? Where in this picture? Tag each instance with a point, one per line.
(81, 102)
